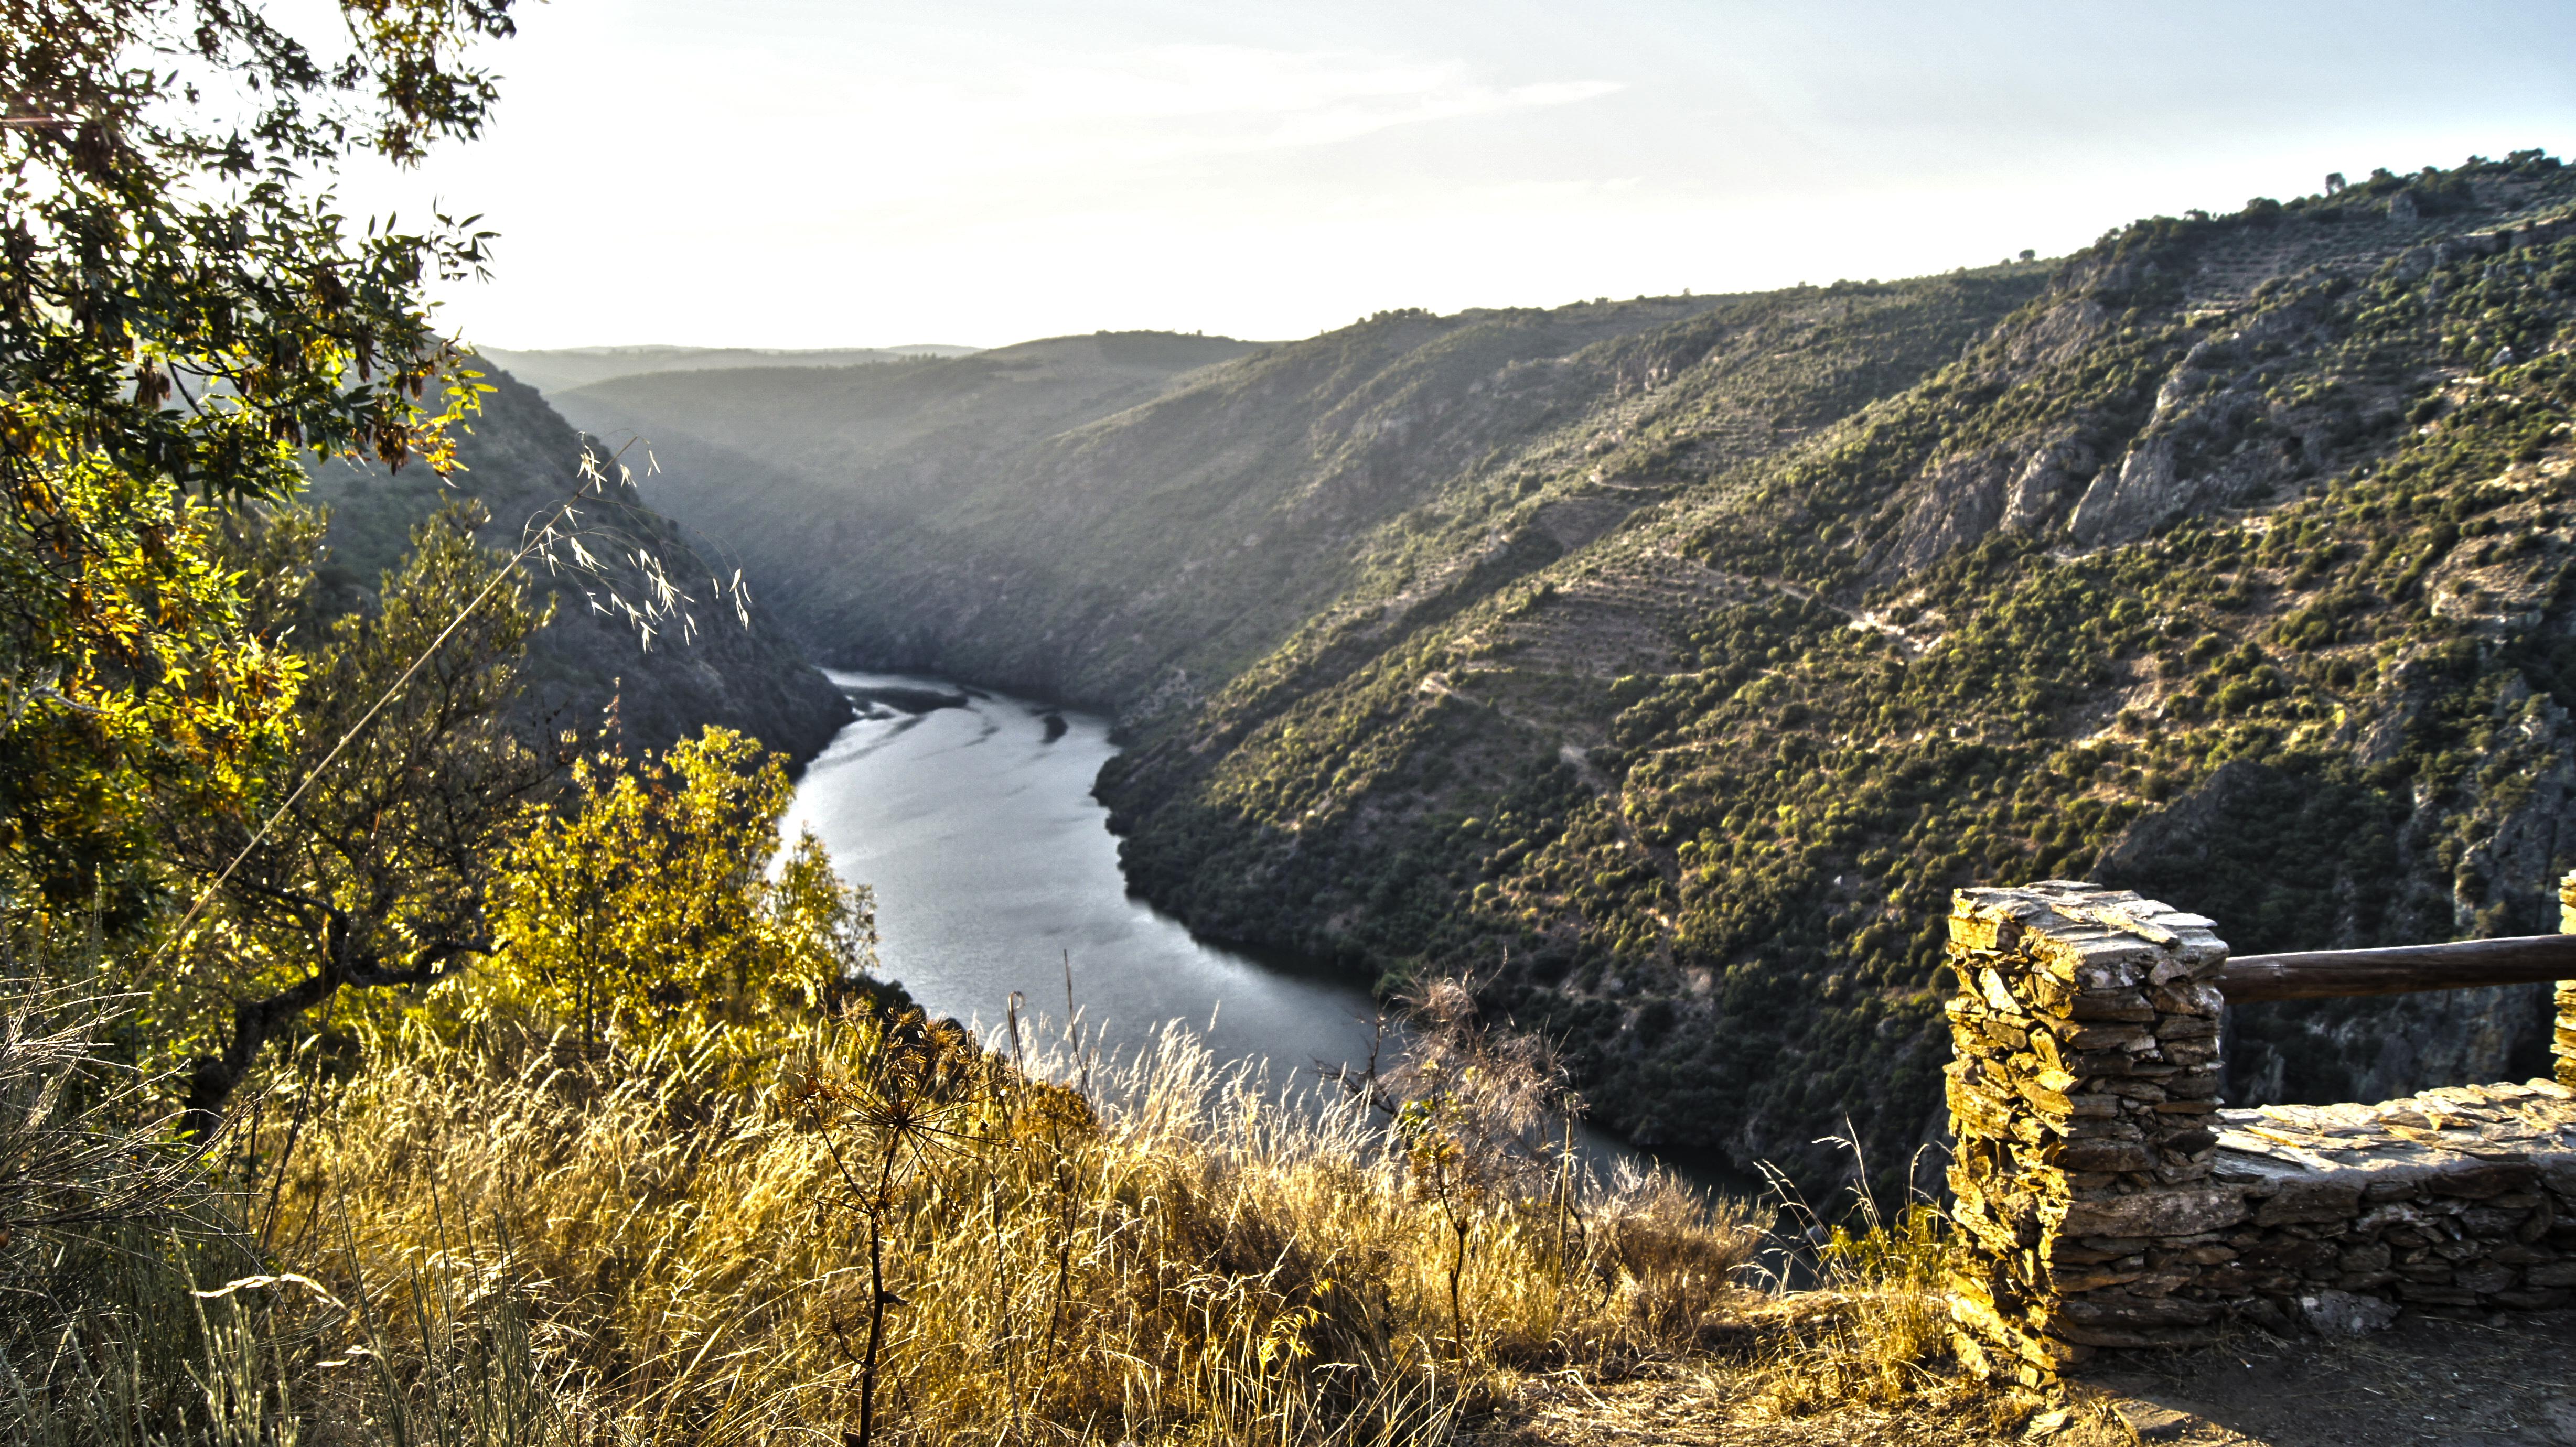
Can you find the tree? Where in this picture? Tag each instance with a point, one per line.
(658, 897)
(183, 315)
(376, 873)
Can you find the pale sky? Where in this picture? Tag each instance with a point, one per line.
(809, 173)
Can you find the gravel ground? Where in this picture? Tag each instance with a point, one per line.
(2504, 1381)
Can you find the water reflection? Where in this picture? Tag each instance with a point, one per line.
(971, 815)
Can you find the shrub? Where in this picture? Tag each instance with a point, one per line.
(657, 900)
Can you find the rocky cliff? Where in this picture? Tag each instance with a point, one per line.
(521, 459)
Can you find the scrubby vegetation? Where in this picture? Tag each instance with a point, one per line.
(1623, 686)
(1747, 866)
(493, 1219)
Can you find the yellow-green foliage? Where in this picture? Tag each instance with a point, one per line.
(174, 329)
(134, 681)
(651, 903)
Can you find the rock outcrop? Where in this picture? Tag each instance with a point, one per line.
(521, 459)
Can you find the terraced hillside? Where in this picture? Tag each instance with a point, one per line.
(1665, 663)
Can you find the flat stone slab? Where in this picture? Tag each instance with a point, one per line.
(2450, 1135)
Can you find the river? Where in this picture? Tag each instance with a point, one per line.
(970, 814)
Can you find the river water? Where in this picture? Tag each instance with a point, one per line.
(970, 814)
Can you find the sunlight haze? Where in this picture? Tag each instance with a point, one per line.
(809, 175)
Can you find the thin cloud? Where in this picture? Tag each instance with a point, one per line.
(1168, 102)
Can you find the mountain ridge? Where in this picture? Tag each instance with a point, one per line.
(554, 369)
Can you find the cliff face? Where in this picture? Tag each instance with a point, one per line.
(1665, 664)
(521, 459)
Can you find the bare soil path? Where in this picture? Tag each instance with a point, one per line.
(2507, 1381)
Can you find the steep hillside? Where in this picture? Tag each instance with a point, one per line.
(522, 459)
(753, 452)
(1031, 516)
(1665, 663)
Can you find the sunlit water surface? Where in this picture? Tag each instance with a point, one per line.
(970, 814)
(994, 870)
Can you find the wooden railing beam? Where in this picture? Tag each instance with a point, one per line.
(2399, 969)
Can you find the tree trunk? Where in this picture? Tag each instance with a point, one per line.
(212, 1078)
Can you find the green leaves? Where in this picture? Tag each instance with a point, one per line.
(658, 897)
(184, 311)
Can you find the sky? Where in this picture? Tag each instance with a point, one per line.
(821, 173)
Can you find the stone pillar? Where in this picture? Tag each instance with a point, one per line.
(2085, 1075)
(2566, 1042)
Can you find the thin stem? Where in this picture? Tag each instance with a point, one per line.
(1457, 1269)
(876, 1295)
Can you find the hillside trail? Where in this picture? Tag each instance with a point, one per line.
(2502, 1381)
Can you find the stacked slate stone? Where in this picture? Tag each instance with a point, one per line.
(2567, 988)
(2451, 1200)
(2086, 1071)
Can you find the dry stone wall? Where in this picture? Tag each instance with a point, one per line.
(2110, 1201)
(2566, 1042)
(2086, 1072)
(2458, 1198)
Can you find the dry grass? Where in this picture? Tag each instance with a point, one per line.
(534, 1247)
(1859, 1355)
(1875, 1330)
(893, 1233)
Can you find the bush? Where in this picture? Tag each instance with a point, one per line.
(655, 900)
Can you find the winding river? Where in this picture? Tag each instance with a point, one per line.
(970, 814)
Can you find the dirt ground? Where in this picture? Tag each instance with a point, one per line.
(2504, 1381)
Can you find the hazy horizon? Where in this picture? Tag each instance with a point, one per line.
(795, 175)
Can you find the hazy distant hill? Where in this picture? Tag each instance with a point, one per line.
(521, 459)
(562, 368)
(1666, 662)
(843, 423)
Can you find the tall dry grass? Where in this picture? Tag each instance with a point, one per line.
(495, 1237)
(1873, 1328)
